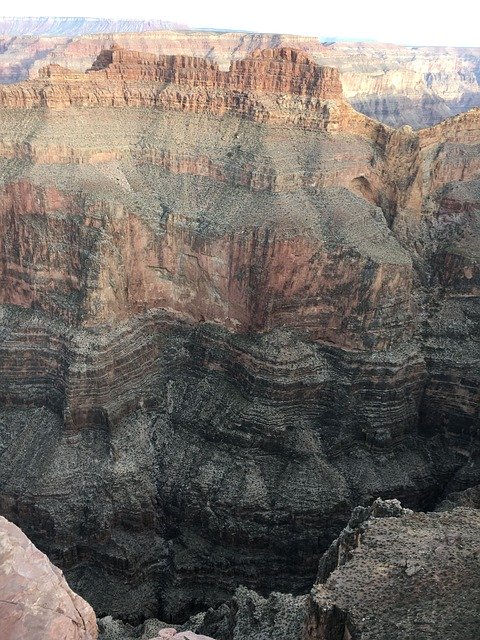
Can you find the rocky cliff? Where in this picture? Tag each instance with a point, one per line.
(398, 574)
(232, 309)
(397, 85)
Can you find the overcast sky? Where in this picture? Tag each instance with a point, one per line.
(417, 22)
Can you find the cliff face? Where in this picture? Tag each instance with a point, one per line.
(232, 308)
(398, 574)
(397, 85)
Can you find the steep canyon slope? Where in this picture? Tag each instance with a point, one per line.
(391, 574)
(397, 85)
(232, 309)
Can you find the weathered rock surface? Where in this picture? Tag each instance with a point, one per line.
(397, 85)
(36, 602)
(232, 309)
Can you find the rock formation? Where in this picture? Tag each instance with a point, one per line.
(391, 574)
(401, 575)
(397, 85)
(36, 603)
(232, 309)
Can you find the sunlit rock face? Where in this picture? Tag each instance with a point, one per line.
(232, 309)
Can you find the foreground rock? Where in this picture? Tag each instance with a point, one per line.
(36, 602)
(392, 574)
(402, 575)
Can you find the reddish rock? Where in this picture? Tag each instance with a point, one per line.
(129, 78)
(280, 70)
(36, 602)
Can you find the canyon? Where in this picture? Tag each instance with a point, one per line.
(391, 573)
(233, 308)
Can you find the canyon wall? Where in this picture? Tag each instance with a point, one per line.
(232, 308)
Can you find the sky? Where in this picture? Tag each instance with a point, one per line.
(414, 22)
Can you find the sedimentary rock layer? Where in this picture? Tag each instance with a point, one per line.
(232, 309)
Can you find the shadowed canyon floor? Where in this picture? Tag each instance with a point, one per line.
(233, 308)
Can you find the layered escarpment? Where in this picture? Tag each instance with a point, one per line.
(232, 308)
(277, 84)
(397, 85)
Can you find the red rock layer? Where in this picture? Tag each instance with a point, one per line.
(268, 71)
(249, 281)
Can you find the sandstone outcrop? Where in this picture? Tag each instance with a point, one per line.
(36, 602)
(232, 309)
(303, 90)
